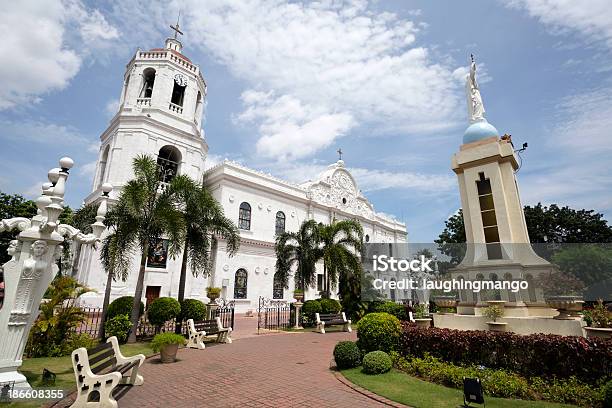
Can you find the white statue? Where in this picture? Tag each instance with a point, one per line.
(476, 109)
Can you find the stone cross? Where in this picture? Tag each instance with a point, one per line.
(176, 27)
(339, 151)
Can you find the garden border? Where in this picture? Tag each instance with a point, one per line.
(369, 394)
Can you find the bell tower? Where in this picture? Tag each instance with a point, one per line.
(160, 112)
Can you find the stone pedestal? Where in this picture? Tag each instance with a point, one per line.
(298, 311)
(211, 310)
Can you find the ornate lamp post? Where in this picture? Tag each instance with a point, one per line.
(33, 266)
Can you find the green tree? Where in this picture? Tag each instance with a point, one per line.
(589, 263)
(340, 244)
(551, 224)
(147, 210)
(204, 221)
(298, 248)
(13, 205)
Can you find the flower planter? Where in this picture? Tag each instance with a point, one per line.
(599, 332)
(168, 353)
(423, 323)
(569, 307)
(497, 326)
(298, 296)
(444, 303)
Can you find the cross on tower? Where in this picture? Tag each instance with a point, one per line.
(339, 153)
(176, 27)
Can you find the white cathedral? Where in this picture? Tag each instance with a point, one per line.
(160, 115)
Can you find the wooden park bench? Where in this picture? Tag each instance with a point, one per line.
(200, 329)
(332, 319)
(99, 370)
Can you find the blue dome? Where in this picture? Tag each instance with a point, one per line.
(479, 131)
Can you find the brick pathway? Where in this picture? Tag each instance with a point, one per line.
(283, 370)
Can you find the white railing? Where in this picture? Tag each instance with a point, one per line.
(143, 102)
(175, 108)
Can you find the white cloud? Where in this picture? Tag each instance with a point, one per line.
(37, 56)
(592, 19)
(112, 107)
(41, 133)
(88, 169)
(317, 70)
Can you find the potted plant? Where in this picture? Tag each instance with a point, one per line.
(445, 304)
(599, 321)
(213, 293)
(167, 345)
(494, 312)
(421, 317)
(298, 294)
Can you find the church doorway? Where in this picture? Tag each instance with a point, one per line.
(152, 293)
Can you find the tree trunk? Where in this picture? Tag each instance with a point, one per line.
(325, 294)
(107, 292)
(138, 295)
(181, 288)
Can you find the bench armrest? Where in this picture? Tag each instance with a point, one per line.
(121, 359)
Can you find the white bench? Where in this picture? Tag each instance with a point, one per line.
(99, 370)
(332, 319)
(200, 329)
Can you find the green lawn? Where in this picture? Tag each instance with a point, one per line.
(400, 387)
(32, 368)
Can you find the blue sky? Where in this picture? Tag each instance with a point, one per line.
(291, 82)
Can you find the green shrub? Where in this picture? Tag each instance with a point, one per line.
(378, 331)
(163, 339)
(607, 395)
(500, 383)
(330, 306)
(309, 309)
(163, 309)
(119, 326)
(122, 305)
(192, 309)
(347, 355)
(76, 341)
(376, 362)
(392, 308)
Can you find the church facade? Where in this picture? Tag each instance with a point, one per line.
(160, 114)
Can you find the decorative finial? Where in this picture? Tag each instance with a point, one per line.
(339, 151)
(176, 28)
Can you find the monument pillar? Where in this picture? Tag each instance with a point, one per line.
(32, 267)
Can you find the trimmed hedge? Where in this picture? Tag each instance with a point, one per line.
(347, 355)
(119, 326)
(309, 309)
(378, 331)
(376, 362)
(501, 383)
(330, 306)
(163, 309)
(533, 355)
(192, 309)
(122, 305)
(392, 308)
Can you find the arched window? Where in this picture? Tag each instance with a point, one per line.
(168, 161)
(511, 294)
(103, 162)
(531, 289)
(178, 94)
(278, 289)
(495, 293)
(280, 223)
(367, 238)
(240, 284)
(197, 113)
(148, 81)
(244, 216)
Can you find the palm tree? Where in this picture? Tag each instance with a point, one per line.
(204, 221)
(146, 211)
(298, 248)
(341, 243)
